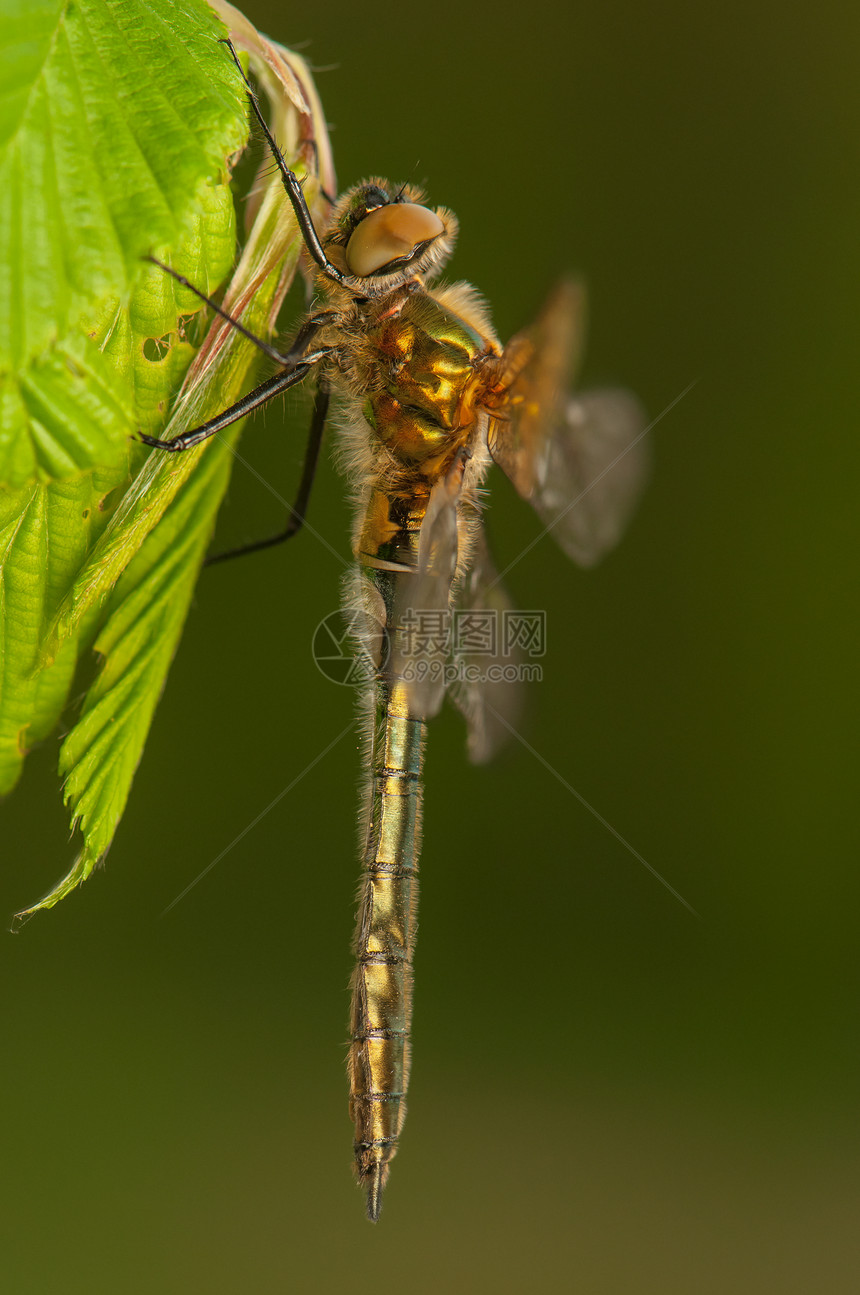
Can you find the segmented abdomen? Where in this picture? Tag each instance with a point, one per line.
(385, 940)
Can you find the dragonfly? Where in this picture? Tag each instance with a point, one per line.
(428, 400)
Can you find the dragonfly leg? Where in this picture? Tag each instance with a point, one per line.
(292, 186)
(310, 326)
(272, 353)
(300, 504)
(266, 391)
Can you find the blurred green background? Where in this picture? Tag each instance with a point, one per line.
(609, 1095)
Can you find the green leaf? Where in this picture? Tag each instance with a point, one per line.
(138, 641)
(73, 401)
(45, 533)
(114, 133)
(132, 583)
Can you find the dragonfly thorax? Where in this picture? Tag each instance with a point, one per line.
(429, 374)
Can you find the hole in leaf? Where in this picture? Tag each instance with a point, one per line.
(191, 328)
(156, 348)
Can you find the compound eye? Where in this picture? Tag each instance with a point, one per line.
(389, 233)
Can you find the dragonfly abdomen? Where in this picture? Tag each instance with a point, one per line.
(384, 942)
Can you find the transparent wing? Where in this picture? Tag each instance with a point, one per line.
(537, 372)
(421, 643)
(592, 472)
(579, 460)
(486, 688)
(464, 645)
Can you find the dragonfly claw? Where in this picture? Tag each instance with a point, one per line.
(156, 443)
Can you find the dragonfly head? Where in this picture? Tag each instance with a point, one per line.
(385, 235)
